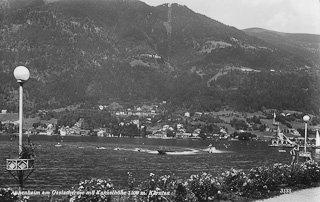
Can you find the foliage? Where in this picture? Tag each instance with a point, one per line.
(36, 125)
(232, 180)
(28, 150)
(204, 186)
(305, 174)
(129, 130)
(256, 183)
(76, 56)
(254, 119)
(10, 128)
(93, 190)
(92, 118)
(246, 136)
(239, 124)
(260, 181)
(6, 195)
(171, 186)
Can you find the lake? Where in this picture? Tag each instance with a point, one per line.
(78, 158)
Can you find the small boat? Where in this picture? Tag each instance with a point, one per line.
(58, 145)
(164, 150)
(101, 148)
(211, 149)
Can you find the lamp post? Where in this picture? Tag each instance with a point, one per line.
(20, 165)
(306, 119)
(22, 74)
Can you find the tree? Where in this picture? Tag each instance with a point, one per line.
(239, 124)
(202, 135)
(36, 125)
(170, 133)
(144, 131)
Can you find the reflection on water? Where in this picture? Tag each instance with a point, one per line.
(82, 158)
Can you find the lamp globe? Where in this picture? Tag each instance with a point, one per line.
(21, 73)
(306, 118)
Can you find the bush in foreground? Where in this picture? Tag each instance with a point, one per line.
(6, 195)
(231, 185)
(257, 183)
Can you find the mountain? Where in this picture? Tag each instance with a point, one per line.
(306, 45)
(99, 51)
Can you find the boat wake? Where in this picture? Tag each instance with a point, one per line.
(189, 152)
(136, 150)
(186, 152)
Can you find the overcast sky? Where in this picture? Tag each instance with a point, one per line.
(290, 16)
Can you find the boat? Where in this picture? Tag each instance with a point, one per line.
(211, 149)
(164, 150)
(58, 145)
(101, 148)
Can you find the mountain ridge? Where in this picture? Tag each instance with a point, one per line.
(95, 51)
(307, 45)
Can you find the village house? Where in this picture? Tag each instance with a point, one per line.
(159, 134)
(183, 135)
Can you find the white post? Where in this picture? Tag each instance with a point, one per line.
(305, 136)
(306, 119)
(22, 74)
(20, 116)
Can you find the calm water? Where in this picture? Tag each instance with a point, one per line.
(61, 168)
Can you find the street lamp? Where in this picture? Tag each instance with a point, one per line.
(306, 119)
(22, 74)
(22, 163)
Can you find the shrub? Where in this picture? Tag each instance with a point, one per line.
(203, 186)
(305, 173)
(94, 190)
(259, 182)
(6, 195)
(28, 151)
(232, 180)
(170, 185)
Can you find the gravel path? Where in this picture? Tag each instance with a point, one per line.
(306, 195)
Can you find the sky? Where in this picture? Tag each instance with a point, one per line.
(289, 16)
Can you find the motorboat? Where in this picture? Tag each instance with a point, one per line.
(58, 145)
(164, 150)
(101, 148)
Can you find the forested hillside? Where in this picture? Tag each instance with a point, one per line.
(100, 51)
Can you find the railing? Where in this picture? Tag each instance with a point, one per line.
(20, 164)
